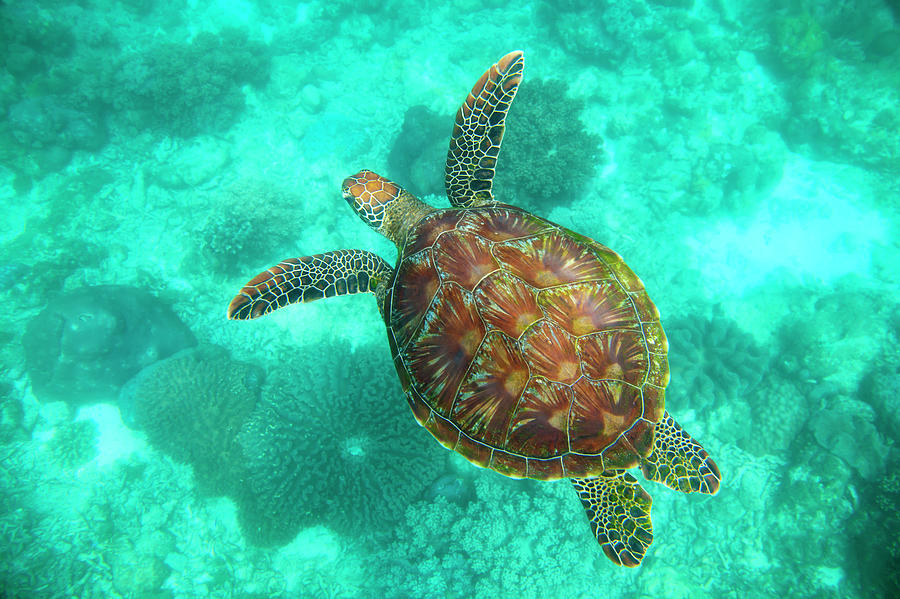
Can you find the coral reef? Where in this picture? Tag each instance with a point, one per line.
(711, 361)
(43, 553)
(11, 274)
(547, 154)
(191, 406)
(186, 89)
(853, 116)
(874, 540)
(442, 549)
(816, 490)
(846, 428)
(880, 388)
(46, 121)
(33, 565)
(840, 107)
(190, 163)
(734, 177)
(417, 158)
(138, 573)
(337, 445)
(592, 30)
(50, 265)
(123, 118)
(48, 129)
(109, 535)
(768, 420)
(797, 43)
(277, 498)
(12, 414)
(834, 337)
(86, 343)
(47, 115)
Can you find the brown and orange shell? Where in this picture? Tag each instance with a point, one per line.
(527, 348)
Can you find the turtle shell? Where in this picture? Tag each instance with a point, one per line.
(525, 347)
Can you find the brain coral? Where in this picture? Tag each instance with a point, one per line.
(86, 343)
(192, 406)
(337, 444)
(712, 361)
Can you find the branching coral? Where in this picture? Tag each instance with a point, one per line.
(40, 557)
(446, 550)
(594, 30)
(135, 528)
(238, 236)
(12, 414)
(547, 153)
(712, 361)
(192, 406)
(185, 89)
(336, 445)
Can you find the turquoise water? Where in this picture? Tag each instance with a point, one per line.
(743, 157)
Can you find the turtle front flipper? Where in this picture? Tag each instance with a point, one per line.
(619, 512)
(478, 131)
(679, 462)
(309, 278)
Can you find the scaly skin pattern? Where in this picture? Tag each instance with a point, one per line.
(309, 278)
(528, 349)
(478, 132)
(383, 205)
(679, 462)
(619, 512)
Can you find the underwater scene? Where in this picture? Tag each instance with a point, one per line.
(742, 158)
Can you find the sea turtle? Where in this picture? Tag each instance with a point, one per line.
(528, 348)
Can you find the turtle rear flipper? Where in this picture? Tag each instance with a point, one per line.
(679, 462)
(619, 512)
(309, 278)
(475, 142)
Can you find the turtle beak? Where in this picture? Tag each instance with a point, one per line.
(353, 188)
(345, 191)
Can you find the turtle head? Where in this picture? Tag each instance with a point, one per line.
(383, 205)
